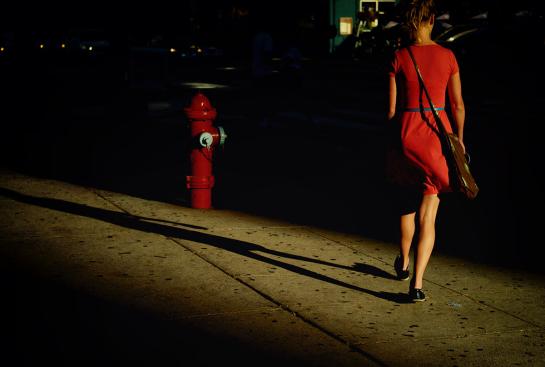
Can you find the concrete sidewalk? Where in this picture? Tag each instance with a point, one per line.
(201, 287)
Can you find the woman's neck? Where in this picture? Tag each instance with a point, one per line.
(423, 37)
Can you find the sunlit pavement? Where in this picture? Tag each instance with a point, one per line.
(94, 277)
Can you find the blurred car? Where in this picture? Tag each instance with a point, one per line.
(457, 32)
(516, 39)
(177, 47)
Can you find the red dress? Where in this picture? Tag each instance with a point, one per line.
(419, 136)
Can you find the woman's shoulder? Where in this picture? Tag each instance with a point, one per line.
(443, 49)
(434, 47)
(402, 53)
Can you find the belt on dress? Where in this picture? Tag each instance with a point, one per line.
(418, 109)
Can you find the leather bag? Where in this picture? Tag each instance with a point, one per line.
(461, 179)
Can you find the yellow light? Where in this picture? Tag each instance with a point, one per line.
(63, 45)
(199, 50)
(172, 50)
(345, 25)
(2, 49)
(90, 48)
(42, 45)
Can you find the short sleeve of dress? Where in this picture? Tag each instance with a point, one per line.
(453, 63)
(393, 66)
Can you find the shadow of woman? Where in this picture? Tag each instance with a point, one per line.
(239, 247)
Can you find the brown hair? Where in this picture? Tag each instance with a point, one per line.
(414, 12)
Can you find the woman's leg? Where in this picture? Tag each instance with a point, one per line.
(407, 233)
(426, 238)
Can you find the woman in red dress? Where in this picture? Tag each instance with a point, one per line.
(420, 144)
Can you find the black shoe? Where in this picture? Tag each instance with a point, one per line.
(398, 266)
(416, 295)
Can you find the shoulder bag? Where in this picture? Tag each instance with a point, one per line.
(461, 179)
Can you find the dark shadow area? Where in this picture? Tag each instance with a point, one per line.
(372, 270)
(46, 322)
(243, 248)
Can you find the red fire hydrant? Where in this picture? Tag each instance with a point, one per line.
(204, 138)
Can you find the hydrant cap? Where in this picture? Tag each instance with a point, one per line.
(201, 107)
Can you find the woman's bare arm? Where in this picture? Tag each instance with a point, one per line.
(457, 105)
(392, 98)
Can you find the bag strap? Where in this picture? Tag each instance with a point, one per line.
(421, 80)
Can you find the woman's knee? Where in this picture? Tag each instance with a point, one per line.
(428, 210)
